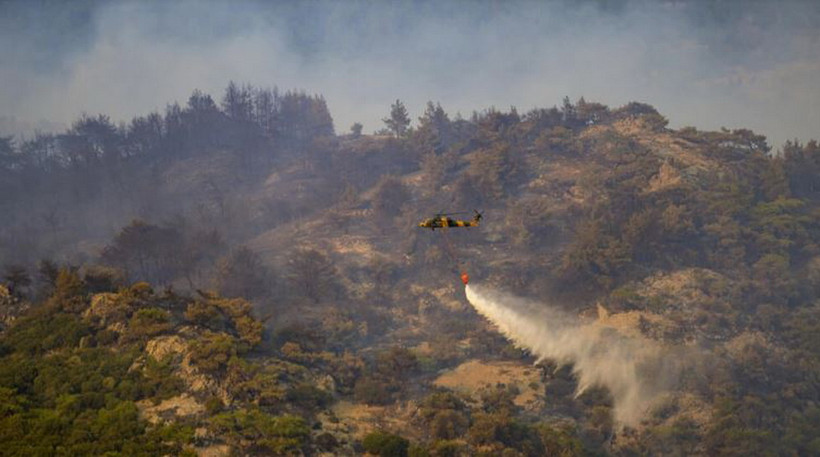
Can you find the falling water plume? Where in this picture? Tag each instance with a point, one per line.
(634, 370)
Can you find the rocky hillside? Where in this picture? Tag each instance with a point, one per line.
(703, 244)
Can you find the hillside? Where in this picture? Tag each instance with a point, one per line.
(703, 245)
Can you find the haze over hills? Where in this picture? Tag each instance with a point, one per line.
(706, 63)
(141, 261)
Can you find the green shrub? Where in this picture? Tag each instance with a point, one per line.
(212, 353)
(148, 322)
(205, 315)
(416, 450)
(448, 448)
(214, 405)
(385, 444)
(308, 396)
(326, 441)
(372, 392)
(277, 434)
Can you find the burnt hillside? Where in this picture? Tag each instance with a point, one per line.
(686, 239)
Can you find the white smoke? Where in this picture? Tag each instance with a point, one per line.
(635, 371)
(701, 63)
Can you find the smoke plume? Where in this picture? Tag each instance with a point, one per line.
(705, 63)
(635, 372)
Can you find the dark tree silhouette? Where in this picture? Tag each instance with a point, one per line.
(312, 274)
(434, 132)
(146, 252)
(17, 279)
(356, 129)
(391, 194)
(242, 274)
(238, 102)
(398, 120)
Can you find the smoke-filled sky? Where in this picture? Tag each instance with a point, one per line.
(709, 63)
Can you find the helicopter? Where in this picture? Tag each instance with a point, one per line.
(442, 220)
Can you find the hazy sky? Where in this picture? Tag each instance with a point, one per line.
(707, 63)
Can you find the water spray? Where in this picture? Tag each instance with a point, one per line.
(633, 370)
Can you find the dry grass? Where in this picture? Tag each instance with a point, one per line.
(475, 375)
(628, 323)
(357, 420)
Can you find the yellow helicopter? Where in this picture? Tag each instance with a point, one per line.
(443, 220)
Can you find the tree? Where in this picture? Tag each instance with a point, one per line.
(99, 139)
(237, 102)
(242, 274)
(591, 113)
(802, 166)
(146, 252)
(774, 180)
(176, 135)
(594, 255)
(398, 120)
(145, 134)
(302, 118)
(568, 114)
(385, 444)
(434, 169)
(8, 158)
(69, 291)
(266, 107)
(204, 122)
(311, 273)
(47, 273)
(434, 132)
(391, 194)
(560, 439)
(383, 273)
(148, 322)
(200, 102)
(41, 152)
(396, 363)
(356, 130)
(201, 250)
(17, 279)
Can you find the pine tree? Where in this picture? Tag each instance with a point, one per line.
(399, 120)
